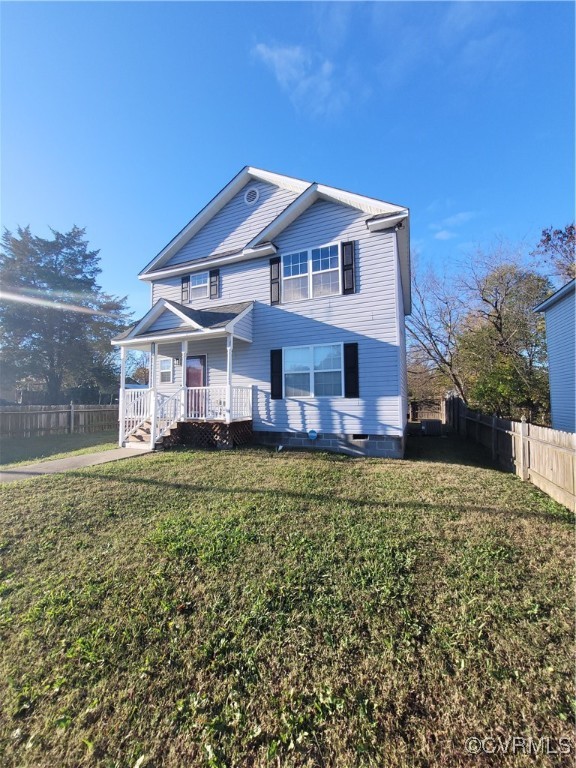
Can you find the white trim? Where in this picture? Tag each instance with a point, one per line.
(154, 313)
(559, 294)
(189, 268)
(312, 371)
(385, 222)
(171, 337)
(191, 287)
(164, 359)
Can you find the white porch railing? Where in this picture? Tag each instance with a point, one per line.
(208, 403)
(136, 409)
(202, 403)
(241, 403)
(168, 412)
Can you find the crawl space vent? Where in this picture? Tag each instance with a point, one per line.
(251, 195)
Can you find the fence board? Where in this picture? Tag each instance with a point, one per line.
(35, 420)
(546, 457)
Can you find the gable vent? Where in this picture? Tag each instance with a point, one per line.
(251, 195)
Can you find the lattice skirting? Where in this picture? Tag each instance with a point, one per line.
(211, 434)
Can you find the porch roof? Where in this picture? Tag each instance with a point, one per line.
(193, 322)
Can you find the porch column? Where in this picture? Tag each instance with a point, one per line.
(152, 385)
(229, 349)
(183, 393)
(122, 398)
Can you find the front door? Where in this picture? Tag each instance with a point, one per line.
(196, 371)
(196, 377)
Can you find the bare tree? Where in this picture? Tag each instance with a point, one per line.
(438, 314)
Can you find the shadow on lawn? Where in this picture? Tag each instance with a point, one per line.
(448, 449)
(392, 505)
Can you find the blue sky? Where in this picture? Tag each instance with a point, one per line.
(126, 118)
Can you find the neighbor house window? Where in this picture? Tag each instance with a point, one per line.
(311, 273)
(199, 286)
(166, 370)
(314, 371)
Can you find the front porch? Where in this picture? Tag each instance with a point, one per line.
(148, 417)
(191, 373)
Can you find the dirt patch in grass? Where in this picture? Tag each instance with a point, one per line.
(25, 450)
(295, 609)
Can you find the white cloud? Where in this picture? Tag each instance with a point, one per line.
(444, 234)
(310, 80)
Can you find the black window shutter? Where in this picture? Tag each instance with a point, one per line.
(275, 281)
(348, 268)
(185, 296)
(351, 384)
(214, 283)
(276, 374)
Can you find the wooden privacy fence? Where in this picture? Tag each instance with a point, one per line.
(422, 410)
(34, 420)
(546, 457)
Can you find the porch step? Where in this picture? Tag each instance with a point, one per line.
(141, 438)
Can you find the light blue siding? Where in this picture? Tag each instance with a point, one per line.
(236, 224)
(372, 317)
(167, 321)
(244, 326)
(560, 324)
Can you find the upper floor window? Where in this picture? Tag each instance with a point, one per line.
(200, 286)
(311, 273)
(195, 287)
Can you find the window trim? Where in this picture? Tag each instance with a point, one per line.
(313, 396)
(310, 273)
(206, 275)
(169, 370)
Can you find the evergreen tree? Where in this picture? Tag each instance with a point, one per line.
(56, 322)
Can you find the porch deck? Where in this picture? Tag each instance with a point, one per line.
(151, 415)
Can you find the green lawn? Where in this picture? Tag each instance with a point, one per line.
(254, 608)
(24, 450)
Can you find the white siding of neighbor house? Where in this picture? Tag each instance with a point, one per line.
(372, 317)
(560, 323)
(236, 224)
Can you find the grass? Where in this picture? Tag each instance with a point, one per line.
(24, 450)
(260, 609)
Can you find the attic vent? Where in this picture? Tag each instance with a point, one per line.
(251, 195)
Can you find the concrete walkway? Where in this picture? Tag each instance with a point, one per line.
(26, 471)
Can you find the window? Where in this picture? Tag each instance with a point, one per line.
(199, 286)
(314, 371)
(166, 370)
(311, 274)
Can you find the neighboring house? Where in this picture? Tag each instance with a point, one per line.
(279, 309)
(559, 311)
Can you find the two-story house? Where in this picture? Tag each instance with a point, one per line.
(277, 314)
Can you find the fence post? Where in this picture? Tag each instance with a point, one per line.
(523, 449)
(494, 437)
(71, 429)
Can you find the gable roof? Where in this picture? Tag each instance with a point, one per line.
(192, 320)
(383, 216)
